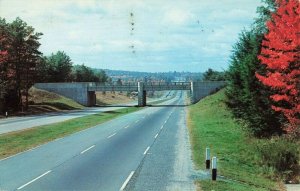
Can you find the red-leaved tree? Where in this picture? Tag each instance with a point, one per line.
(2, 55)
(280, 54)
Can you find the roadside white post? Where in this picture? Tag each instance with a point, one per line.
(207, 158)
(6, 114)
(214, 168)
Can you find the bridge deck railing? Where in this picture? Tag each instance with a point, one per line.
(156, 86)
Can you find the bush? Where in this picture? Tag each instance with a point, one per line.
(281, 155)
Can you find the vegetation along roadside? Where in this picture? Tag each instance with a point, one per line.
(244, 162)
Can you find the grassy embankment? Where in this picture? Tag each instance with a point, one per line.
(43, 101)
(110, 98)
(211, 124)
(15, 142)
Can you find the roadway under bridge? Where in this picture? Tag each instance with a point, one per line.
(84, 92)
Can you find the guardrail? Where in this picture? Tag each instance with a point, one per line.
(146, 87)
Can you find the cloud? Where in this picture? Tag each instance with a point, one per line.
(177, 17)
(167, 35)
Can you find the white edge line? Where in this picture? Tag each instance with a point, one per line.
(162, 127)
(43, 144)
(126, 181)
(87, 149)
(156, 136)
(126, 127)
(146, 150)
(34, 180)
(111, 135)
(20, 153)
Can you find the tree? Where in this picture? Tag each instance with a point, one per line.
(101, 76)
(212, 75)
(280, 55)
(24, 56)
(43, 70)
(18, 69)
(3, 55)
(5, 39)
(59, 67)
(247, 96)
(83, 73)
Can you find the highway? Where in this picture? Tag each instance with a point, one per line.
(20, 123)
(144, 150)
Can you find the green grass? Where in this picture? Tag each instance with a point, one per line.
(64, 104)
(212, 125)
(15, 142)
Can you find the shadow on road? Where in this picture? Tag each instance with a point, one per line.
(167, 105)
(115, 106)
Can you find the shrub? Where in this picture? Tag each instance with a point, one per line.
(282, 155)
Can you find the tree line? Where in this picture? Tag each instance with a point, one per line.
(264, 73)
(58, 67)
(264, 85)
(22, 65)
(212, 75)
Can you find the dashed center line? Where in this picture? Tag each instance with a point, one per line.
(146, 150)
(137, 121)
(34, 180)
(111, 135)
(126, 127)
(126, 181)
(156, 136)
(162, 127)
(87, 149)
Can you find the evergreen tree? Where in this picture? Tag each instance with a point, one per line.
(248, 97)
(18, 69)
(59, 67)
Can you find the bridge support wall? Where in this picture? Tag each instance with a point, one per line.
(202, 89)
(84, 93)
(141, 95)
(75, 91)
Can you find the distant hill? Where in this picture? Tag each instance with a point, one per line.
(151, 76)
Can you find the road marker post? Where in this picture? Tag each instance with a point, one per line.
(6, 114)
(207, 157)
(214, 168)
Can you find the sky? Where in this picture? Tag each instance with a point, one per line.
(138, 35)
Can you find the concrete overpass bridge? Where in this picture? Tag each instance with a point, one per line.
(84, 92)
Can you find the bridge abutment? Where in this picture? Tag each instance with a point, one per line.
(200, 90)
(76, 91)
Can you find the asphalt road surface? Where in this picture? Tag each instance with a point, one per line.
(20, 123)
(144, 150)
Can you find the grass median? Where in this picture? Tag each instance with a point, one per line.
(212, 125)
(15, 142)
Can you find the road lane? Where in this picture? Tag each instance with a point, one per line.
(106, 165)
(167, 165)
(19, 123)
